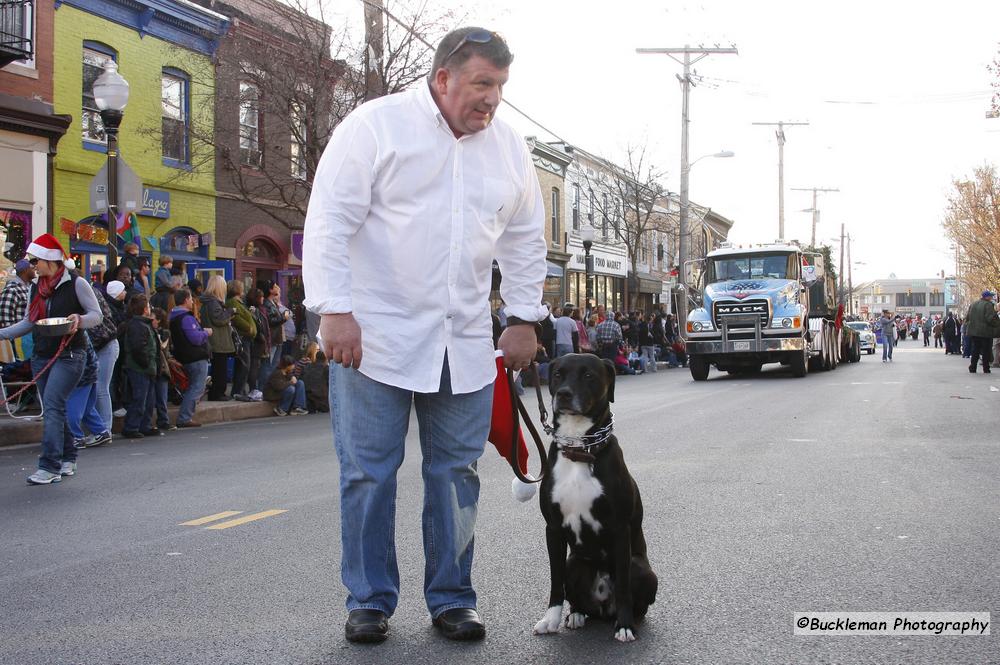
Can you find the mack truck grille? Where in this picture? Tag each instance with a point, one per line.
(742, 310)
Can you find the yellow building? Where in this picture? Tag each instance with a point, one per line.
(164, 49)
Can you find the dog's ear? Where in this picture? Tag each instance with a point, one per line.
(609, 367)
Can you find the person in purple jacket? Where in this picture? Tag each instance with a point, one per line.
(191, 348)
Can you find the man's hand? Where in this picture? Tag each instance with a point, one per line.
(518, 344)
(75, 320)
(341, 336)
(208, 331)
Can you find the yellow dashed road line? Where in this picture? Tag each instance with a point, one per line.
(248, 518)
(211, 518)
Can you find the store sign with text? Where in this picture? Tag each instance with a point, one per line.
(605, 262)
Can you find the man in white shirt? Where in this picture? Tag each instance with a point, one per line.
(414, 197)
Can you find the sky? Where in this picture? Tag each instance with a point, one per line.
(895, 93)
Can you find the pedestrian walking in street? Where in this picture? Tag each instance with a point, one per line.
(951, 330)
(190, 348)
(647, 343)
(983, 325)
(926, 325)
(215, 315)
(938, 331)
(414, 197)
(567, 338)
(888, 326)
(58, 292)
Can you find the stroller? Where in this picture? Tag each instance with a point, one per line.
(178, 383)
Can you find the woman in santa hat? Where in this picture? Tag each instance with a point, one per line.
(57, 291)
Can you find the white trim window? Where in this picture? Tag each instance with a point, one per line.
(250, 134)
(299, 136)
(90, 117)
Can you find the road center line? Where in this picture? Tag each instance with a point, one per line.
(211, 518)
(249, 518)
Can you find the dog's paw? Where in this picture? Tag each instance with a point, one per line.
(625, 635)
(576, 620)
(550, 622)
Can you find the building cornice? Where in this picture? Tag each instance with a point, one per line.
(176, 21)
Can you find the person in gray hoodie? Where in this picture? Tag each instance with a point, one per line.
(888, 325)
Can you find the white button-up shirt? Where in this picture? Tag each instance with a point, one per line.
(404, 223)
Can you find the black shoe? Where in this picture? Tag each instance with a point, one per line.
(460, 624)
(367, 626)
(972, 370)
(151, 432)
(132, 435)
(220, 398)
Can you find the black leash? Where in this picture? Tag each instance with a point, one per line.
(518, 411)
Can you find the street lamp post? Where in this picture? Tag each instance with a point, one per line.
(587, 236)
(111, 97)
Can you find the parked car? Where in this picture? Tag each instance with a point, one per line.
(867, 336)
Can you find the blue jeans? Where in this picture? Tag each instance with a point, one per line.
(81, 409)
(196, 372)
(55, 386)
(370, 421)
(887, 345)
(160, 394)
(293, 396)
(106, 358)
(142, 401)
(563, 349)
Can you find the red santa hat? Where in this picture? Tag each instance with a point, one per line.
(502, 433)
(48, 248)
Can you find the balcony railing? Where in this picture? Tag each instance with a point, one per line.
(16, 30)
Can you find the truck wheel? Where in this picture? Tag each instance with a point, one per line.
(798, 363)
(699, 368)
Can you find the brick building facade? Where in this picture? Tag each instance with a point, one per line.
(30, 130)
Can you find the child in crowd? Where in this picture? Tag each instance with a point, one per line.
(162, 327)
(288, 391)
(307, 358)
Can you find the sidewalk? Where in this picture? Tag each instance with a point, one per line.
(15, 432)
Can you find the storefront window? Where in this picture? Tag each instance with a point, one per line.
(15, 227)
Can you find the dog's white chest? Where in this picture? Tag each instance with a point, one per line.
(574, 487)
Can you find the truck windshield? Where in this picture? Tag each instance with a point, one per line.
(755, 266)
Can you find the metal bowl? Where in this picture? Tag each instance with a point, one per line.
(54, 327)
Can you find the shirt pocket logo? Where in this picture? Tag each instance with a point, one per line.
(497, 200)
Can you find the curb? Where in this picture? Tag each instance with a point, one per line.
(14, 432)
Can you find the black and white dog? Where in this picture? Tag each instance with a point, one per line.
(591, 503)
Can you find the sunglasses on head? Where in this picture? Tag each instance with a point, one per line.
(476, 37)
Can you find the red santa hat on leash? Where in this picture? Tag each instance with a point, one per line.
(47, 248)
(502, 432)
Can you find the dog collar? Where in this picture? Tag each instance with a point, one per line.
(584, 448)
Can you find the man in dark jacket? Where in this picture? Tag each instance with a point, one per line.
(982, 324)
(191, 349)
(140, 367)
(950, 334)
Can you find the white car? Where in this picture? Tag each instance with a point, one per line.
(867, 336)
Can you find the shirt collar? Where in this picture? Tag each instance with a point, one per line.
(426, 100)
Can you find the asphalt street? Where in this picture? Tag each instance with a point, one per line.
(870, 488)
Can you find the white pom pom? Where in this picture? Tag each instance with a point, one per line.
(522, 491)
(70, 264)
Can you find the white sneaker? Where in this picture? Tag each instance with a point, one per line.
(43, 477)
(119, 413)
(68, 469)
(256, 395)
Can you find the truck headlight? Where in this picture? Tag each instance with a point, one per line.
(786, 322)
(696, 326)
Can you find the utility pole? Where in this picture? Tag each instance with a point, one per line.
(850, 278)
(686, 60)
(814, 209)
(374, 38)
(780, 134)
